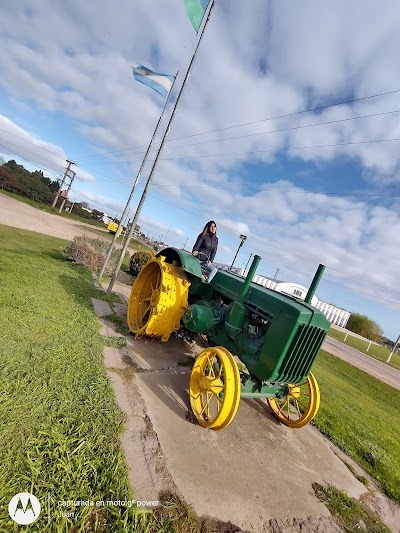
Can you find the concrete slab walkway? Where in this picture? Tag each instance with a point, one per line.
(256, 474)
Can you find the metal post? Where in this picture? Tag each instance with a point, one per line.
(242, 239)
(394, 348)
(127, 208)
(314, 284)
(249, 279)
(248, 261)
(166, 235)
(345, 337)
(155, 233)
(143, 198)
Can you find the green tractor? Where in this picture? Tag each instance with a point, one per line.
(262, 343)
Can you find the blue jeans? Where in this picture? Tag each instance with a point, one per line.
(208, 270)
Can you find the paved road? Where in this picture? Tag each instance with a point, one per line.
(372, 366)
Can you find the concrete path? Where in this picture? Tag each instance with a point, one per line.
(256, 473)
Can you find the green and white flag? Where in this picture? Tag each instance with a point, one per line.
(195, 10)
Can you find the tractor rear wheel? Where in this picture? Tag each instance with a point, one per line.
(159, 296)
(215, 388)
(299, 406)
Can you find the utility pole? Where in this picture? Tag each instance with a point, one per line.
(166, 235)
(394, 348)
(67, 173)
(155, 233)
(69, 188)
(276, 273)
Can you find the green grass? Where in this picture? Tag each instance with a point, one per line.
(348, 513)
(376, 351)
(120, 322)
(361, 415)
(59, 424)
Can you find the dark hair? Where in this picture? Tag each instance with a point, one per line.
(207, 227)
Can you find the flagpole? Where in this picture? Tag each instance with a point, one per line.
(125, 213)
(139, 208)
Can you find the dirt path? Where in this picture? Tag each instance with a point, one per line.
(24, 216)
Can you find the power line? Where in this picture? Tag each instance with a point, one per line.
(277, 150)
(253, 152)
(319, 108)
(30, 162)
(256, 189)
(328, 193)
(288, 149)
(262, 133)
(30, 142)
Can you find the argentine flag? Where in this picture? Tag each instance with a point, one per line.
(161, 83)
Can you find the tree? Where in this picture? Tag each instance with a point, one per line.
(35, 185)
(8, 181)
(362, 325)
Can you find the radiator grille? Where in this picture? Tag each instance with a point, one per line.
(301, 353)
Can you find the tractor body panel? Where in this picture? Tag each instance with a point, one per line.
(187, 261)
(294, 333)
(276, 336)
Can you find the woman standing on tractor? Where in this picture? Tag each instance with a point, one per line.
(206, 247)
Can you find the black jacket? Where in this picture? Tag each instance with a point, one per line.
(207, 244)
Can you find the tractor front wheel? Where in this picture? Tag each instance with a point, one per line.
(215, 388)
(299, 406)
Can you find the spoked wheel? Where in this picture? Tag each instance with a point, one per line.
(299, 406)
(215, 388)
(158, 299)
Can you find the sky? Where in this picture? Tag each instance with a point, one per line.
(287, 131)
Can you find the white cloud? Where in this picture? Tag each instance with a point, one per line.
(16, 143)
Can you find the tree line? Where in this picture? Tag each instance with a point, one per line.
(34, 185)
(38, 187)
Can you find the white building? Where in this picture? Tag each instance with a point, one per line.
(334, 314)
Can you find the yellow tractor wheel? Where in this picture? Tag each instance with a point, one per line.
(159, 296)
(299, 406)
(215, 388)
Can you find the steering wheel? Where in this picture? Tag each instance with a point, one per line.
(203, 257)
(203, 260)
